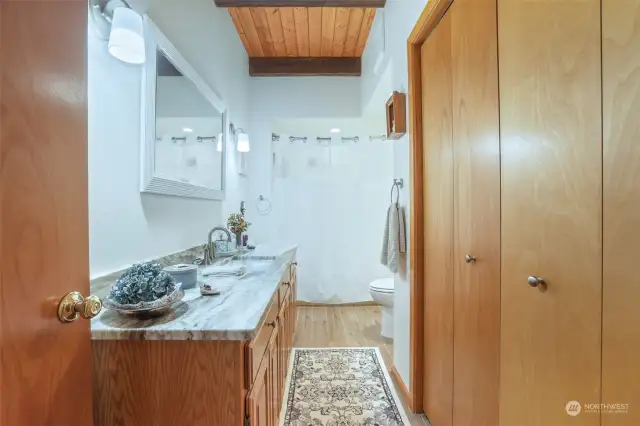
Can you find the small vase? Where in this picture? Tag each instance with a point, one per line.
(239, 240)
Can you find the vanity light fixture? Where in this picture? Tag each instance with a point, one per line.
(122, 27)
(187, 129)
(335, 130)
(243, 142)
(241, 138)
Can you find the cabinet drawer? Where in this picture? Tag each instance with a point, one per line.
(258, 346)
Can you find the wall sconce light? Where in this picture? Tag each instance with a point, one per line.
(241, 138)
(122, 26)
(219, 147)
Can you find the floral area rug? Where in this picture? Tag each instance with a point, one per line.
(340, 387)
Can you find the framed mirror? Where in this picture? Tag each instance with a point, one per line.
(183, 125)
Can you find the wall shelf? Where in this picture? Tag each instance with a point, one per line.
(396, 116)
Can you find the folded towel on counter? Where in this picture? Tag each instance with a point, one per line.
(393, 241)
(224, 271)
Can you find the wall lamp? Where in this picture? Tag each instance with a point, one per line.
(122, 26)
(240, 137)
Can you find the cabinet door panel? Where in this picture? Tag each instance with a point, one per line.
(274, 377)
(551, 127)
(438, 230)
(476, 142)
(259, 407)
(621, 215)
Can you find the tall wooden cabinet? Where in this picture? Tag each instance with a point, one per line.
(551, 135)
(621, 209)
(476, 243)
(462, 203)
(531, 144)
(439, 218)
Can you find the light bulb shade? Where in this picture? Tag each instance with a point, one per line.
(219, 147)
(126, 41)
(243, 142)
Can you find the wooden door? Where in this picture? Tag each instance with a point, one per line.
(551, 141)
(45, 371)
(621, 214)
(438, 228)
(476, 141)
(258, 399)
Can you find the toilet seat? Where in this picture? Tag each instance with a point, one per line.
(382, 285)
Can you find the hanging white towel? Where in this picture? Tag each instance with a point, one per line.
(393, 241)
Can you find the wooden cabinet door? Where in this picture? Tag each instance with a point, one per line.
(291, 321)
(438, 227)
(551, 142)
(476, 142)
(282, 348)
(621, 215)
(273, 352)
(286, 335)
(259, 398)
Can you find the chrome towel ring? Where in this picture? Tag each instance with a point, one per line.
(397, 184)
(263, 205)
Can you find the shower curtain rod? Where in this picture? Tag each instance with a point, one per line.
(352, 139)
(292, 139)
(275, 137)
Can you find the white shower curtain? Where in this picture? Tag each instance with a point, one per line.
(331, 200)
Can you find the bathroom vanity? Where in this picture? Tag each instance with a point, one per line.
(213, 360)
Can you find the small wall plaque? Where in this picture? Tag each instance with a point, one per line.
(396, 116)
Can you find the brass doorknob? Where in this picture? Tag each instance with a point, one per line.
(468, 258)
(535, 281)
(74, 305)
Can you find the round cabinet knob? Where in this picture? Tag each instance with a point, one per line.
(468, 258)
(535, 281)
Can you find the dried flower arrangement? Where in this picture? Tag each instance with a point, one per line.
(237, 223)
(143, 282)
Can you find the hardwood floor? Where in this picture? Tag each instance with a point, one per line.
(347, 326)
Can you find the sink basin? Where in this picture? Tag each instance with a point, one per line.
(254, 265)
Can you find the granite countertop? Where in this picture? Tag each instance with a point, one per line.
(235, 314)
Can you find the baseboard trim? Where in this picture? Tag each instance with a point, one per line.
(328, 305)
(403, 390)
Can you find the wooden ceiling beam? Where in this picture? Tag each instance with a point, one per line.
(301, 3)
(278, 67)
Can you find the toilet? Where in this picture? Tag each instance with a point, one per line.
(382, 293)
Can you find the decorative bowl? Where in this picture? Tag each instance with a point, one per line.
(147, 309)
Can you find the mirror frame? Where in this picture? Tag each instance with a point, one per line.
(154, 40)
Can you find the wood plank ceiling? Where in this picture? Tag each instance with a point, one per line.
(303, 32)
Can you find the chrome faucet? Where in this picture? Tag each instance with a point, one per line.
(210, 248)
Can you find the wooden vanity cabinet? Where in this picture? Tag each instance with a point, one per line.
(266, 387)
(198, 382)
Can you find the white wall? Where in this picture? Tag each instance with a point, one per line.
(275, 98)
(125, 225)
(384, 70)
